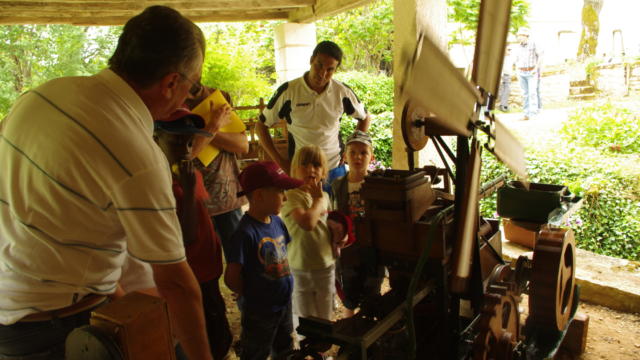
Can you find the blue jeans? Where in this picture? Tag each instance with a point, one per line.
(39, 340)
(225, 225)
(265, 333)
(529, 84)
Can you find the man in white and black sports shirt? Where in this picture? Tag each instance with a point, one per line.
(312, 106)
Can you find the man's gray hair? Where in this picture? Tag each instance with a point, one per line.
(154, 43)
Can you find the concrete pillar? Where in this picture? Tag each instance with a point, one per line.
(294, 44)
(411, 17)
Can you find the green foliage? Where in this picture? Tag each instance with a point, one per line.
(33, 54)
(609, 220)
(604, 126)
(240, 60)
(375, 91)
(365, 35)
(467, 12)
(592, 69)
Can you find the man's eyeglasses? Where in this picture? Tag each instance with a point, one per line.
(196, 87)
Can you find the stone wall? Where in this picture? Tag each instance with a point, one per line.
(612, 79)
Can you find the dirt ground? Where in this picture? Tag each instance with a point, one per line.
(611, 335)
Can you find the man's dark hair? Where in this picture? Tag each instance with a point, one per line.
(154, 43)
(328, 48)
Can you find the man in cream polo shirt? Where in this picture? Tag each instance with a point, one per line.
(83, 184)
(312, 106)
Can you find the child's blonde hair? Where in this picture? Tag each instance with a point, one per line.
(310, 154)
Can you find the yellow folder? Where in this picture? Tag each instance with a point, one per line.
(236, 125)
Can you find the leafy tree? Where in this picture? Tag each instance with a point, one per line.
(240, 59)
(365, 34)
(33, 54)
(467, 12)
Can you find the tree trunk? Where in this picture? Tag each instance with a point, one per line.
(590, 28)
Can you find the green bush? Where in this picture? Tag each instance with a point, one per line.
(375, 91)
(604, 126)
(609, 220)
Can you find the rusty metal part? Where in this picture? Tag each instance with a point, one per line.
(501, 275)
(413, 126)
(523, 273)
(551, 291)
(499, 325)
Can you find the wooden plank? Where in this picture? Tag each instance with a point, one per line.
(120, 20)
(576, 338)
(433, 82)
(123, 6)
(510, 151)
(493, 28)
(112, 12)
(324, 8)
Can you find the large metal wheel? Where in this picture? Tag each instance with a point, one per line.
(551, 291)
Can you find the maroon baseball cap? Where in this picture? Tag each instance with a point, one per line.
(265, 174)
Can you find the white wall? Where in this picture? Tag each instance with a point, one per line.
(556, 26)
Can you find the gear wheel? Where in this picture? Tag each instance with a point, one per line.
(551, 290)
(499, 324)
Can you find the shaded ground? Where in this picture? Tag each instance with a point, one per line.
(611, 334)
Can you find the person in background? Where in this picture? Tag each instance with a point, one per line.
(221, 175)
(527, 60)
(257, 266)
(312, 106)
(175, 136)
(505, 81)
(357, 271)
(84, 186)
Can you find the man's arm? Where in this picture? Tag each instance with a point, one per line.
(179, 287)
(232, 142)
(264, 137)
(363, 125)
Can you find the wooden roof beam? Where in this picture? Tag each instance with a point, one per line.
(123, 5)
(120, 20)
(324, 8)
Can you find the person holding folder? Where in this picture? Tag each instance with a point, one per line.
(217, 159)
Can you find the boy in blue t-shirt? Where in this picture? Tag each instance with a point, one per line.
(257, 266)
